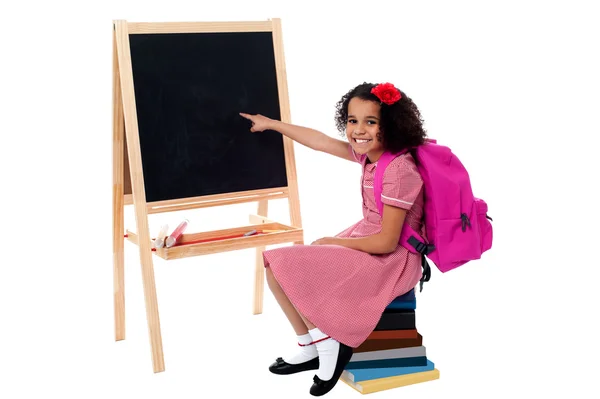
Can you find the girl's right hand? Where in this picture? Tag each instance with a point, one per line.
(259, 122)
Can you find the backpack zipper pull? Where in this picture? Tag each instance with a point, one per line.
(465, 221)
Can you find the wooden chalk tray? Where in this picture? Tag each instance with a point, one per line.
(188, 244)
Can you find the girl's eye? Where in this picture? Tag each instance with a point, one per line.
(368, 122)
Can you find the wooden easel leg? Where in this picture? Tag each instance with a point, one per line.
(259, 271)
(138, 191)
(158, 361)
(294, 205)
(118, 202)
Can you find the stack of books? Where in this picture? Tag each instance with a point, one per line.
(393, 355)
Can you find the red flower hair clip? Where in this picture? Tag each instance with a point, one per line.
(387, 93)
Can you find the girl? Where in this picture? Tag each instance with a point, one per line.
(335, 290)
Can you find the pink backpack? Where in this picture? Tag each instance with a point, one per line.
(457, 227)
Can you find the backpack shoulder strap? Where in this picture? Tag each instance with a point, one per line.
(409, 238)
(382, 163)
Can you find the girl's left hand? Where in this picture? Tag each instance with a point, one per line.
(325, 241)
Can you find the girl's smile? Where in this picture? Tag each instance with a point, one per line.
(362, 141)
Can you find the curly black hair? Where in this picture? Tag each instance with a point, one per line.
(401, 124)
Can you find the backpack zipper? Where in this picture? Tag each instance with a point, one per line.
(465, 221)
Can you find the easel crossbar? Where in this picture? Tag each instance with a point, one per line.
(213, 200)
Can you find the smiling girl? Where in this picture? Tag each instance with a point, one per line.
(335, 290)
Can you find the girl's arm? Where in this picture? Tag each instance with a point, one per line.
(308, 137)
(383, 242)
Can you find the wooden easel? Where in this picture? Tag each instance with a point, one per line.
(128, 174)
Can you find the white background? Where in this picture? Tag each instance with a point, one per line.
(512, 87)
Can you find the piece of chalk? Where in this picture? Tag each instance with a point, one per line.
(271, 231)
(174, 236)
(250, 233)
(159, 242)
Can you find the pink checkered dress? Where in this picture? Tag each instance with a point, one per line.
(344, 291)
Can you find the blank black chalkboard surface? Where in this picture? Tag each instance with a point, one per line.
(189, 90)
(179, 143)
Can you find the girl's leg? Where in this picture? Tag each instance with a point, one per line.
(298, 322)
(326, 348)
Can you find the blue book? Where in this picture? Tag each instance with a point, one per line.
(387, 363)
(406, 301)
(356, 375)
(402, 304)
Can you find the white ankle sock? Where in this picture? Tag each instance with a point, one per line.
(328, 350)
(305, 353)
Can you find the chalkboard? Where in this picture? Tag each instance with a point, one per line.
(189, 91)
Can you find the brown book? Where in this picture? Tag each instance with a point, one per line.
(393, 334)
(383, 344)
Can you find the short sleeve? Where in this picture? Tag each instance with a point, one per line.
(402, 182)
(355, 156)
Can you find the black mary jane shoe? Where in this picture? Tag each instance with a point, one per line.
(320, 387)
(282, 367)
